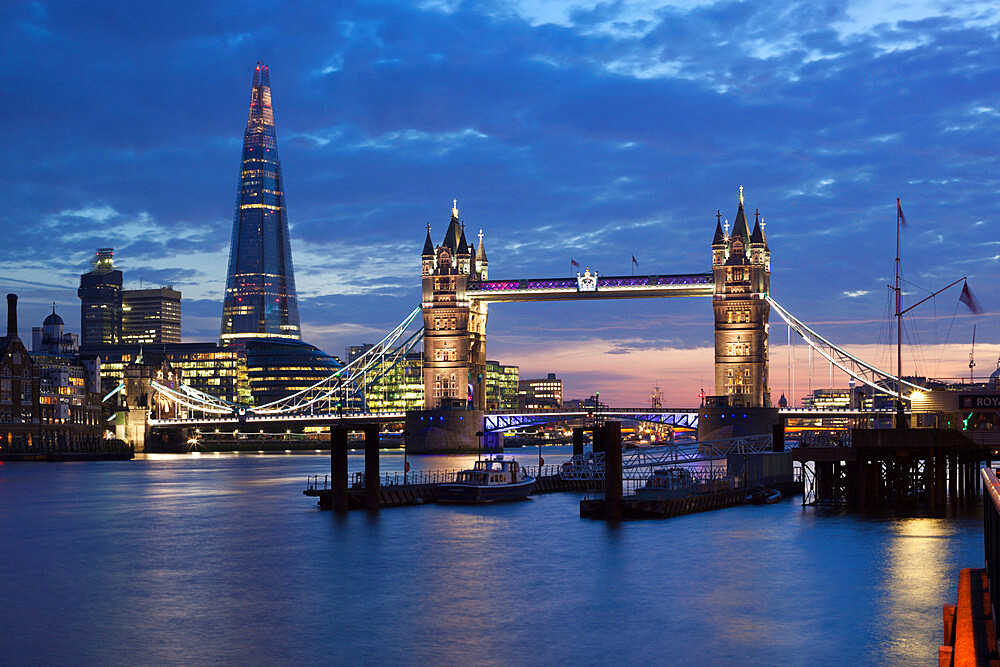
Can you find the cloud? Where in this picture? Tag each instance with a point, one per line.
(580, 129)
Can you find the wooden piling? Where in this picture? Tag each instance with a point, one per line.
(373, 477)
(338, 467)
(577, 440)
(611, 437)
(778, 437)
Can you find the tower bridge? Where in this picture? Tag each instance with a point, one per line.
(456, 293)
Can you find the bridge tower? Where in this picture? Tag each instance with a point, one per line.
(741, 263)
(454, 328)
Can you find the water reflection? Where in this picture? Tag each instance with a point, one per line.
(176, 558)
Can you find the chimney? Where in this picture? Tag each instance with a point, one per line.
(12, 316)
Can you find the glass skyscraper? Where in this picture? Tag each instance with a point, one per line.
(260, 287)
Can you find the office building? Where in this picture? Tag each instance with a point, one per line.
(151, 315)
(207, 367)
(540, 393)
(401, 388)
(100, 295)
(501, 386)
(260, 286)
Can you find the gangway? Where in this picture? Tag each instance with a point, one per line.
(637, 462)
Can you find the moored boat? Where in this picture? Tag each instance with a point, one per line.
(490, 480)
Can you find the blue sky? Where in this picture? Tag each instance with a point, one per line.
(565, 129)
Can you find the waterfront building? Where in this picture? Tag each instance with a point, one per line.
(278, 367)
(454, 327)
(100, 295)
(260, 296)
(501, 386)
(827, 399)
(741, 264)
(51, 338)
(151, 315)
(44, 405)
(217, 371)
(540, 393)
(401, 388)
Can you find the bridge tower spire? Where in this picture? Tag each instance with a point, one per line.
(741, 263)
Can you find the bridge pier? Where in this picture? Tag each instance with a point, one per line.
(443, 430)
(338, 467)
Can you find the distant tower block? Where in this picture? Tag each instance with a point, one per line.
(741, 262)
(454, 328)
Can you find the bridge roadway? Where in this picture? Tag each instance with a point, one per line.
(496, 421)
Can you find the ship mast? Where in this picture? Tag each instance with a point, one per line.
(900, 418)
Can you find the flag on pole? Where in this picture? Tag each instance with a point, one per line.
(635, 261)
(899, 214)
(573, 262)
(969, 300)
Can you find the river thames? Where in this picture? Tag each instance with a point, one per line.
(185, 559)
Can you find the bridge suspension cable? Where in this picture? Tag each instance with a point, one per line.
(342, 390)
(857, 368)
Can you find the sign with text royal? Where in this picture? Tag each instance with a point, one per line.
(979, 401)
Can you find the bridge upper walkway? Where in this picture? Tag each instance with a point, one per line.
(604, 287)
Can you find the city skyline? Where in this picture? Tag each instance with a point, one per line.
(649, 134)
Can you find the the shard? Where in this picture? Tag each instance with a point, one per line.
(260, 288)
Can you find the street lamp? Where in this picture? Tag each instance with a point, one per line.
(479, 434)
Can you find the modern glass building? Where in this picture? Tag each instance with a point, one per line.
(501, 386)
(260, 287)
(151, 315)
(215, 370)
(277, 368)
(101, 301)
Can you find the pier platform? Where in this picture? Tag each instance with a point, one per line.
(663, 509)
(393, 493)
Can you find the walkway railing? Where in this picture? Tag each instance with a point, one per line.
(991, 533)
(357, 479)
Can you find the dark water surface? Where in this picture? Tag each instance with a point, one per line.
(220, 558)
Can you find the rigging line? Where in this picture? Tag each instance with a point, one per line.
(951, 323)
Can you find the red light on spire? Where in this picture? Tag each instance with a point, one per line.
(258, 68)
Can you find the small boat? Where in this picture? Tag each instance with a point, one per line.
(491, 480)
(758, 495)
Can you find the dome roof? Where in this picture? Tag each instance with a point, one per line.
(53, 319)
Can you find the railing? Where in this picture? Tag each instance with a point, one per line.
(315, 483)
(357, 479)
(991, 533)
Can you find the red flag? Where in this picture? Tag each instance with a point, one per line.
(575, 263)
(969, 300)
(899, 213)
